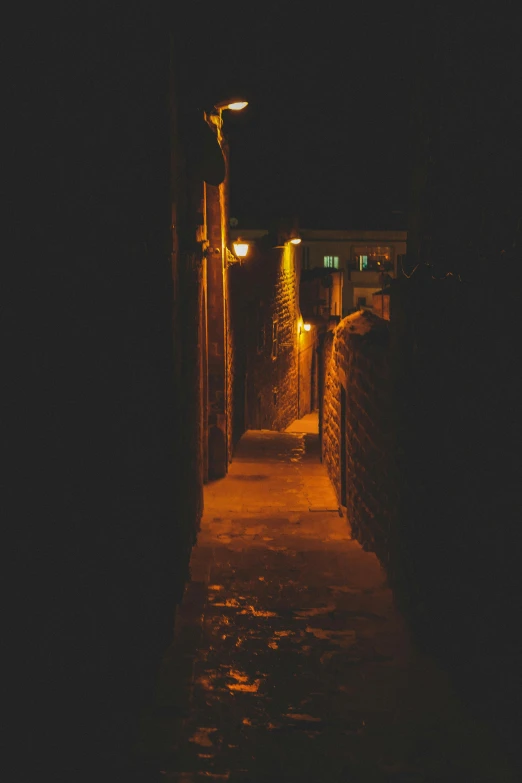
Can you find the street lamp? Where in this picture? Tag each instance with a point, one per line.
(232, 105)
(236, 104)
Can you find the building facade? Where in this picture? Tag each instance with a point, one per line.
(275, 353)
(360, 264)
(367, 259)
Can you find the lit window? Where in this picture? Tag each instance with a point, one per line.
(372, 258)
(332, 262)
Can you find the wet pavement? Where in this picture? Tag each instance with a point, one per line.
(290, 662)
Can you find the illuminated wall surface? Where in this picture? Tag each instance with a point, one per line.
(363, 256)
(265, 290)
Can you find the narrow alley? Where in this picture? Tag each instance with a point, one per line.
(290, 662)
(261, 484)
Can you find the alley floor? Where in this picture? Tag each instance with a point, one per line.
(290, 662)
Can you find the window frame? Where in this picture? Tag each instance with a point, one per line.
(334, 262)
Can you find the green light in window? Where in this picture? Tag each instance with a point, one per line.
(332, 262)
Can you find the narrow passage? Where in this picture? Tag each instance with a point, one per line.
(289, 661)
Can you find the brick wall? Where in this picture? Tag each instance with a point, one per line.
(238, 338)
(429, 430)
(432, 469)
(268, 322)
(307, 347)
(231, 364)
(356, 364)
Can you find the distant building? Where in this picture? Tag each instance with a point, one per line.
(321, 293)
(360, 262)
(367, 259)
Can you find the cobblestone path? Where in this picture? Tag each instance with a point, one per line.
(289, 661)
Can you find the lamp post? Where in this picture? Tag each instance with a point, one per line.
(236, 104)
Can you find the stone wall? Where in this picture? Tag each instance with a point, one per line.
(238, 339)
(231, 365)
(269, 324)
(307, 381)
(217, 336)
(356, 365)
(432, 468)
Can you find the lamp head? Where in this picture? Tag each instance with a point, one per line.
(236, 104)
(241, 248)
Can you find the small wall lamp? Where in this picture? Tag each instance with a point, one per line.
(307, 327)
(295, 241)
(241, 248)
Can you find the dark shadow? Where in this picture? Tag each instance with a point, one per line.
(312, 446)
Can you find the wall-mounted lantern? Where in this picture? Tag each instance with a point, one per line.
(295, 241)
(241, 248)
(307, 327)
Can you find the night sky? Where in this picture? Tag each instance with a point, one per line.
(323, 137)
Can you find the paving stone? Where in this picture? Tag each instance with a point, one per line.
(289, 655)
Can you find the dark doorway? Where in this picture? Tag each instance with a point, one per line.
(342, 460)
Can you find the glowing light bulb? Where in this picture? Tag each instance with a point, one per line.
(241, 249)
(237, 105)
